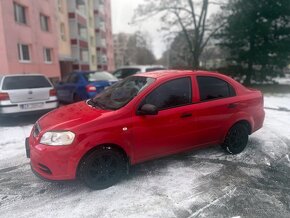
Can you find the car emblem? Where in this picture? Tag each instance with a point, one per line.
(30, 92)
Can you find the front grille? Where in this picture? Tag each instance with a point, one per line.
(36, 129)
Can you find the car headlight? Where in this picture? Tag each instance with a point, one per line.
(57, 138)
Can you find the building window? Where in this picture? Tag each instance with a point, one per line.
(62, 32)
(20, 13)
(47, 55)
(44, 23)
(60, 5)
(84, 55)
(93, 57)
(23, 53)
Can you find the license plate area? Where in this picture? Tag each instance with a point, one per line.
(31, 106)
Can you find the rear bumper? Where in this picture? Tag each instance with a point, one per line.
(16, 109)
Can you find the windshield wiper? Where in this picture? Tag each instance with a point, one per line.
(93, 103)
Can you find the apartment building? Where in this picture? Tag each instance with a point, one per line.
(91, 34)
(55, 37)
(104, 38)
(64, 46)
(28, 42)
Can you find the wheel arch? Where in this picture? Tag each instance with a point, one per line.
(247, 121)
(106, 146)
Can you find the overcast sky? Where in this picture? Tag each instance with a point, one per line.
(122, 13)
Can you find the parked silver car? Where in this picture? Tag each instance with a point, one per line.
(26, 93)
(126, 71)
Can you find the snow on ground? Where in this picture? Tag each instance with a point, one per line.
(202, 183)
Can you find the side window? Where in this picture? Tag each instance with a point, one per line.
(118, 74)
(129, 72)
(171, 94)
(73, 78)
(214, 88)
(66, 78)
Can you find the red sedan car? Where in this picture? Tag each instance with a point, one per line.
(143, 117)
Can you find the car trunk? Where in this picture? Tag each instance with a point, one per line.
(27, 95)
(26, 88)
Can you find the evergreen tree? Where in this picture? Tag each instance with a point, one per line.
(257, 35)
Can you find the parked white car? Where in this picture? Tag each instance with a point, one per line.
(26, 93)
(126, 71)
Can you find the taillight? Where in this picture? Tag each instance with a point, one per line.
(91, 88)
(4, 96)
(52, 92)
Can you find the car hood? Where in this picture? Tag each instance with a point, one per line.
(68, 117)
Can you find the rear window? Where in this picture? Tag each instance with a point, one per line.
(25, 82)
(125, 72)
(97, 76)
(214, 88)
(154, 69)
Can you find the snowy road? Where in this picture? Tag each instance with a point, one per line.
(203, 183)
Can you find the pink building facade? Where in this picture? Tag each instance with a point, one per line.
(28, 42)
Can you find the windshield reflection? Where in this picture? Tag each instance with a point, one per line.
(121, 93)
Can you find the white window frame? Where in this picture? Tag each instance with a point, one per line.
(45, 56)
(46, 26)
(17, 17)
(20, 53)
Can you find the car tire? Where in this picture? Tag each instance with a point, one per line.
(236, 139)
(102, 168)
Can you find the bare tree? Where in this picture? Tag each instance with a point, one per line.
(186, 15)
(139, 49)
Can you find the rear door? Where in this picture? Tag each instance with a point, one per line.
(27, 88)
(217, 104)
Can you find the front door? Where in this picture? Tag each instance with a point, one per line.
(170, 131)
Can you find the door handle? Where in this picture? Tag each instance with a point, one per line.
(232, 105)
(185, 115)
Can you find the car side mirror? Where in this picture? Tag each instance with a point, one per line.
(148, 109)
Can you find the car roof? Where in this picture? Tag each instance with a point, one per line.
(170, 73)
(141, 66)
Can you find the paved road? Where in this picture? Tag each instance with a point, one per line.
(203, 183)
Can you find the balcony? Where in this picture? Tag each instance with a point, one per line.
(100, 42)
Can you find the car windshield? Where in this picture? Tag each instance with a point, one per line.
(25, 82)
(97, 76)
(121, 93)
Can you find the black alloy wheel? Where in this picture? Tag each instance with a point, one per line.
(102, 168)
(236, 139)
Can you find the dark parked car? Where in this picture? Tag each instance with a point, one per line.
(83, 85)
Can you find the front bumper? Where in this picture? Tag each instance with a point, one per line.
(56, 163)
